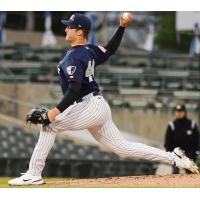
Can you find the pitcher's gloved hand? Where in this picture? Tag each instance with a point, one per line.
(38, 116)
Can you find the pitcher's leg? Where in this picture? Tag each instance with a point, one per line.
(41, 151)
(109, 135)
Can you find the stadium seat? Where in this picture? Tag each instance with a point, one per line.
(173, 85)
(141, 92)
(5, 144)
(3, 133)
(138, 105)
(192, 95)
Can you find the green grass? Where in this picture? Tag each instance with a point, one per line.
(3, 182)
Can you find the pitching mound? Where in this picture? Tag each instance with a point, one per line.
(179, 180)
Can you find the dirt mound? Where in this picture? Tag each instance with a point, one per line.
(179, 180)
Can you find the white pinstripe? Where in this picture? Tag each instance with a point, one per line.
(94, 114)
(41, 151)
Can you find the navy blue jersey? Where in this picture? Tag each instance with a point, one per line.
(79, 64)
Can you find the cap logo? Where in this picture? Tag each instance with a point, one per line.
(178, 107)
(72, 17)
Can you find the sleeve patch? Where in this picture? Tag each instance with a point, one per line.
(71, 70)
(102, 49)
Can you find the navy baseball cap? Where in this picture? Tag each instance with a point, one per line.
(180, 108)
(78, 21)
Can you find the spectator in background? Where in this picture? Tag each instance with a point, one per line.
(183, 133)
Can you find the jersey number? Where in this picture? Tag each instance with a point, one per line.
(90, 70)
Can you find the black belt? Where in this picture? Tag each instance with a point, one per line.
(93, 93)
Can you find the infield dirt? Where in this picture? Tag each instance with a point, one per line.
(178, 180)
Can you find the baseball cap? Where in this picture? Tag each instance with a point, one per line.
(180, 107)
(79, 21)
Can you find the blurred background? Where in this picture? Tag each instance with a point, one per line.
(156, 67)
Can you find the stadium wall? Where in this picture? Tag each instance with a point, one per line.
(30, 37)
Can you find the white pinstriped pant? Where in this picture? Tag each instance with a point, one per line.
(94, 114)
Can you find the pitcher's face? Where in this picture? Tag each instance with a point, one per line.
(71, 34)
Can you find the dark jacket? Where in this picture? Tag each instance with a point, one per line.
(182, 133)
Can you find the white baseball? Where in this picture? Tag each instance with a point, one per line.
(126, 15)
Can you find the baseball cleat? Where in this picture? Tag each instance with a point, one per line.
(26, 179)
(183, 162)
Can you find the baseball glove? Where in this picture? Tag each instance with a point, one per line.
(38, 116)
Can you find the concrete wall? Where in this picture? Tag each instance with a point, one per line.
(35, 37)
(29, 95)
(149, 124)
(30, 37)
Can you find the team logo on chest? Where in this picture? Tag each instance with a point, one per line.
(71, 70)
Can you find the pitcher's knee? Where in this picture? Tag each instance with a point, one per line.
(52, 129)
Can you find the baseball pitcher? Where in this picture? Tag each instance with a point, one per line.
(84, 107)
